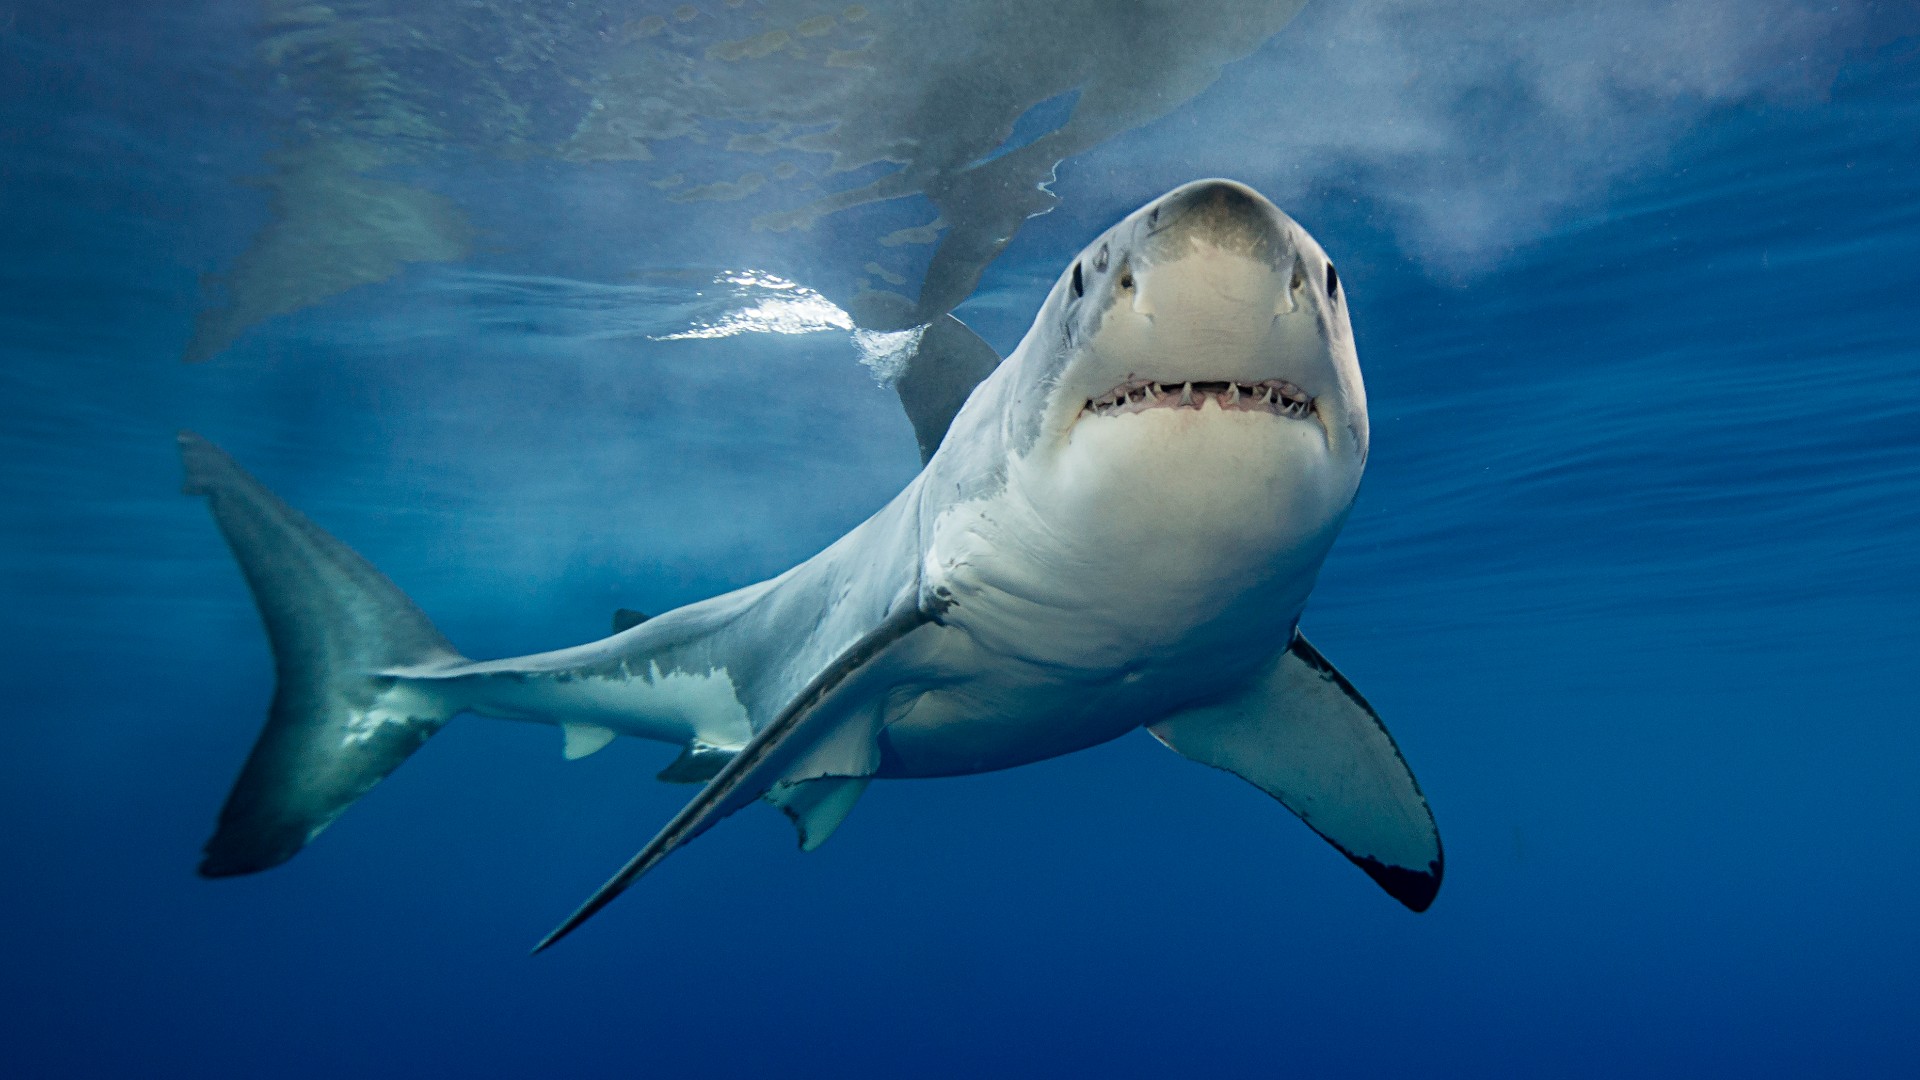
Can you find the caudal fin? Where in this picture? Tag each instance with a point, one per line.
(337, 725)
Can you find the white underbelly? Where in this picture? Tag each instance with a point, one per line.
(967, 709)
(1116, 549)
(1152, 562)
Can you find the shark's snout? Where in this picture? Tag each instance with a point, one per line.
(1217, 214)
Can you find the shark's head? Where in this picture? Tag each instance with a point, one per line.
(1208, 299)
(1199, 351)
(1184, 422)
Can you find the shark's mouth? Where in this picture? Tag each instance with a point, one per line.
(1276, 397)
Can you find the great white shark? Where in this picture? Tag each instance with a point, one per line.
(1118, 529)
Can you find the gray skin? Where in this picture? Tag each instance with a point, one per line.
(1060, 612)
(1119, 530)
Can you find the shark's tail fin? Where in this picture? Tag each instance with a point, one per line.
(338, 723)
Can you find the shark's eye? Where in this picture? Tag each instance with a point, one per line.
(1075, 285)
(1126, 279)
(1333, 282)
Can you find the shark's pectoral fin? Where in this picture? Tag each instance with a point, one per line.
(818, 805)
(1304, 735)
(800, 738)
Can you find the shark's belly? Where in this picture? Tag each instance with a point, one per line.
(989, 724)
(966, 710)
(1072, 614)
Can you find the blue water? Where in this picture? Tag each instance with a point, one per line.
(1632, 577)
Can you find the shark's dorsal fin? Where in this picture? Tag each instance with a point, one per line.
(949, 361)
(938, 378)
(764, 760)
(1305, 736)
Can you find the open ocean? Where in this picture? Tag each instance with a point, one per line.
(1634, 575)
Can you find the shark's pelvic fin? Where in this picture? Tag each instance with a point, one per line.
(1305, 736)
(765, 760)
(818, 789)
(337, 724)
(817, 806)
(697, 764)
(584, 739)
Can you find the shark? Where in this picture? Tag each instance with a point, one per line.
(1115, 528)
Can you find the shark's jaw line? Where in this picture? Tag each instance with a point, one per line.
(1273, 397)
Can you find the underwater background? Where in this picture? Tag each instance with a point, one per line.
(544, 315)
